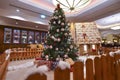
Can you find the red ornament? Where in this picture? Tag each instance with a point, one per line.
(54, 44)
(93, 50)
(63, 37)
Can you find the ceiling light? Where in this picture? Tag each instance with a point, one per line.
(16, 17)
(39, 22)
(112, 19)
(115, 28)
(43, 16)
(16, 23)
(36, 26)
(72, 5)
(18, 10)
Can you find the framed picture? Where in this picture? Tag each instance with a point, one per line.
(16, 36)
(43, 34)
(37, 37)
(7, 35)
(23, 36)
(30, 37)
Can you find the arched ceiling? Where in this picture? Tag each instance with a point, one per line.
(30, 10)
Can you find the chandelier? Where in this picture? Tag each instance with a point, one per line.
(72, 5)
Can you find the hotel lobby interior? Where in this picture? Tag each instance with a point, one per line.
(60, 40)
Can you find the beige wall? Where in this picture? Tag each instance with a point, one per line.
(109, 38)
(72, 30)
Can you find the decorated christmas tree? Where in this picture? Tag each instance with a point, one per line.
(59, 42)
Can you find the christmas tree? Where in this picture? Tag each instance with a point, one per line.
(59, 42)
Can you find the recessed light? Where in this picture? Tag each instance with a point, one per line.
(16, 17)
(18, 10)
(115, 28)
(43, 16)
(39, 22)
(36, 26)
(16, 23)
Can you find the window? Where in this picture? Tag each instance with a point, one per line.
(16, 36)
(24, 37)
(37, 37)
(31, 37)
(7, 35)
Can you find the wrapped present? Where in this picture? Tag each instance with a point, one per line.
(36, 62)
(38, 58)
(70, 61)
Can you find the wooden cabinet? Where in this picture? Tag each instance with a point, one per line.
(14, 37)
(21, 36)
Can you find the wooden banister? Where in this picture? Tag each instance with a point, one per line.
(3, 70)
(27, 53)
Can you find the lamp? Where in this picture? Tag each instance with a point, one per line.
(72, 5)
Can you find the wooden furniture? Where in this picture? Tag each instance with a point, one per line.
(25, 53)
(7, 41)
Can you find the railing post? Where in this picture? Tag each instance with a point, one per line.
(104, 68)
(78, 72)
(89, 70)
(98, 70)
(60, 74)
(117, 66)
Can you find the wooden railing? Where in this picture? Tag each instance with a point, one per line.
(25, 53)
(105, 67)
(17, 54)
(2, 58)
(3, 68)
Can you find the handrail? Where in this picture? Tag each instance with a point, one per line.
(3, 68)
